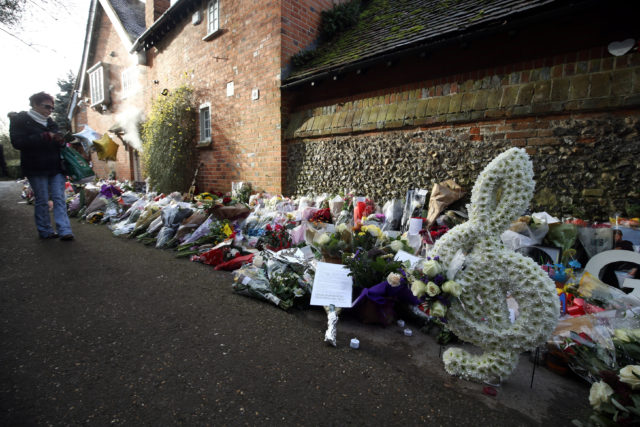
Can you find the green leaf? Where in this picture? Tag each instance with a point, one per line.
(618, 405)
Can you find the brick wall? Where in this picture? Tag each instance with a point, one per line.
(246, 133)
(597, 84)
(153, 9)
(300, 22)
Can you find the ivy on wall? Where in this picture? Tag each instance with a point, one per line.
(168, 139)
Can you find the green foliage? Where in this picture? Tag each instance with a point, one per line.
(370, 268)
(11, 12)
(10, 153)
(63, 98)
(168, 140)
(340, 18)
(334, 21)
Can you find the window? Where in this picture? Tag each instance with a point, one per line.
(205, 123)
(129, 81)
(213, 14)
(98, 75)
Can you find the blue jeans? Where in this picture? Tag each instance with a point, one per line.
(45, 188)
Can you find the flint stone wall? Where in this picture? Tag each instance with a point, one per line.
(585, 165)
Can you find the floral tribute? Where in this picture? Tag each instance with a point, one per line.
(489, 272)
(430, 285)
(616, 398)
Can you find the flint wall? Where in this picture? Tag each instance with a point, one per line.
(577, 116)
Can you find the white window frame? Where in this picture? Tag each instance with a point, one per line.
(213, 18)
(98, 77)
(129, 80)
(205, 128)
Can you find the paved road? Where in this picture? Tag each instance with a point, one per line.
(104, 330)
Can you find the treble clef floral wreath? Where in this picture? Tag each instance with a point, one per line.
(480, 316)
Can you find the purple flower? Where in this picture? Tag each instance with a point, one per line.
(438, 279)
(436, 258)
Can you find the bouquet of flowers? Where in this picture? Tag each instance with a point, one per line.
(321, 215)
(275, 238)
(430, 285)
(334, 245)
(210, 233)
(274, 277)
(615, 399)
(366, 237)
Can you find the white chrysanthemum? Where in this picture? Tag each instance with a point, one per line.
(491, 270)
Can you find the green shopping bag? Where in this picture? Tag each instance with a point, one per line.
(76, 167)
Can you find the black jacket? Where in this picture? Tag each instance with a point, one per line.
(39, 154)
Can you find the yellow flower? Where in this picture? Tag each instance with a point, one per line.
(227, 230)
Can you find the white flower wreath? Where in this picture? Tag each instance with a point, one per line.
(480, 316)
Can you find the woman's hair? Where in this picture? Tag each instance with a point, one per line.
(38, 98)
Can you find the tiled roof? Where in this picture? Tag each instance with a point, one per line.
(131, 14)
(386, 26)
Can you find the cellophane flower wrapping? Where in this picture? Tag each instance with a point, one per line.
(172, 217)
(282, 278)
(392, 211)
(413, 206)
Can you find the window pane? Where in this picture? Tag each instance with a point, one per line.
(212, 16)
(205, 124)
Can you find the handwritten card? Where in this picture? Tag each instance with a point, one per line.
(332, 285)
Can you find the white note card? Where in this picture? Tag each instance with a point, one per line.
(331, 285)
(403, 256)
(415, 225)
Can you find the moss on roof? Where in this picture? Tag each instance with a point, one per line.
(385, 26)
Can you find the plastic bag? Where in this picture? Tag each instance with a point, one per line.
(562, 235)
(76, 166)
(413, 205)
(335, 207)
(595, 240)
(392, 211)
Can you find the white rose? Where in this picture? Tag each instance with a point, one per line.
(258, 261)
(599, 394)
(418, 288)
(453, 288)
(630, 374)
(396, 245)
(394, 279)
(340, 228)
(432, 289)
(323, 239)
(438, 309)
(431, 268)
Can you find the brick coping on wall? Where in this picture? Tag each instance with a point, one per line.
(595, 85)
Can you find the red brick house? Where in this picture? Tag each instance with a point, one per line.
(109, 89)
(412, 93)
(232, 54)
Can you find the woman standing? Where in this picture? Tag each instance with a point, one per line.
(36, 135)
